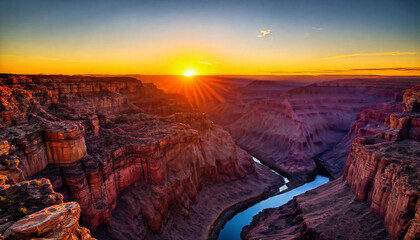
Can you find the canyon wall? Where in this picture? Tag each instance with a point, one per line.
(369, 121)
(381, 179)
(287, 132)
(95, 137)
(242, 99)
(383, 170)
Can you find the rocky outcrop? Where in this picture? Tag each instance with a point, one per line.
(55, 222)
(289, 131)
(32, 210)
(15, 101)
(389, 183)
(383, 170)
(95, 137)
(27, 197)
(65, 143)
(381, 174)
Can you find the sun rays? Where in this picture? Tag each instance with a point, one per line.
(203, 91)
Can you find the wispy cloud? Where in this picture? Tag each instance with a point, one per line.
(321, 71)
(368, 54)
(264, 33)
(317, 29)
(205, 62)
(407, 69)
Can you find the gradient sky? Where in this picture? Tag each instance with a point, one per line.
(211, 37)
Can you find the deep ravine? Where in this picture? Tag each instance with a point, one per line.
(232, 229)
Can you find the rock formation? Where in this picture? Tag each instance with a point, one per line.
(95, 137)
(381, 178)
(32, 210)
(383, 170)
(287, 132)
(369, 121)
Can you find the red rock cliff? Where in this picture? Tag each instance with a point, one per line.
(383, 170)
(378, 196)
(94, 137)
(288, 131)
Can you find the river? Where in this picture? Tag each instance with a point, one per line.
(232, 229)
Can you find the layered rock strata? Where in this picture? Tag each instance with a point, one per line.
(95, 137)
(383, 170)
(193, 219)
(289, 131)
(381, 176)
(369, 121)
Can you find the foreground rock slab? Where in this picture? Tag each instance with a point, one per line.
(55, 222)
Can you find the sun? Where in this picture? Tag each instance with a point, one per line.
(189, 73)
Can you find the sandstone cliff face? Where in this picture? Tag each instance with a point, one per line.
(381, 174)
(289, 131)
(383, 170)
(94, 137)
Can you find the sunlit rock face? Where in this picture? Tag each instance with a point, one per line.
(381, 179)
(54, 222)
(94, 137)
(287, 132)
(65, 143)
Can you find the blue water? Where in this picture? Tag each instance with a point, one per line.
(232, 229)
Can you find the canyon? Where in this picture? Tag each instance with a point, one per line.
(379, 189)
(100, 140)
(288, 128)
(113, 157)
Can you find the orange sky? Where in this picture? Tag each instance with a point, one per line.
(279, 37)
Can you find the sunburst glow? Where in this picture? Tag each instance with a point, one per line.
(189, 73)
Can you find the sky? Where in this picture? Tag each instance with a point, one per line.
(262, 37)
